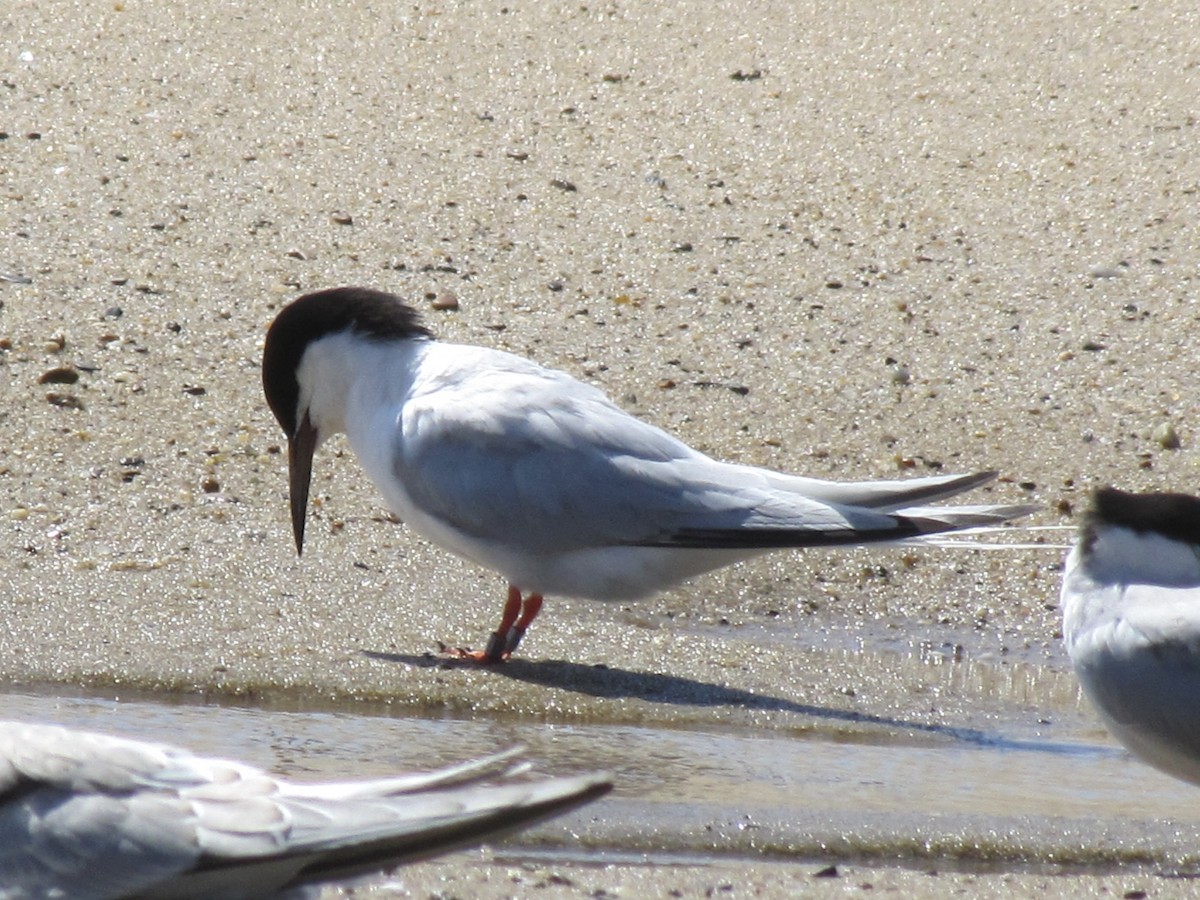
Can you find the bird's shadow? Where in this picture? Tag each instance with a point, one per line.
(613, 683)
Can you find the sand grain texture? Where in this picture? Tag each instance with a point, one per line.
(845, 240)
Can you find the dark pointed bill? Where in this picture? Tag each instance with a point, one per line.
(301, 447)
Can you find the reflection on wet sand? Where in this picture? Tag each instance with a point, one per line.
(820, 782)
(611, 682)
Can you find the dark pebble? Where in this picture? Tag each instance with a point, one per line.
(60, 375)
(65, 401)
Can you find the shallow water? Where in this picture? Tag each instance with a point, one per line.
(1011, 790)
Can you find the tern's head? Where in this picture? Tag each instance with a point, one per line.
(372, 316)
(1142, 538)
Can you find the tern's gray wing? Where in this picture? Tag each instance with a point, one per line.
(84, 815)
(539, 458)
(551, 463)
(1162, 616)
(90, 816)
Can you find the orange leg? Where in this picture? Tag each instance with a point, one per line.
(503, 641)
(529, 611)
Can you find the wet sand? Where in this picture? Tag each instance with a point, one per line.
(841, 241)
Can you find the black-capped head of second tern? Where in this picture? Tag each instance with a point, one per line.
(91, 816)
(1131, 622)
(529, 472)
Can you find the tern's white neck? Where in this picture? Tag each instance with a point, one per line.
(335, 367)
(1125, 556)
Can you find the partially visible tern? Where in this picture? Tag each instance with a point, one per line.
(527, 471)
(89, 816)
(1131, 622)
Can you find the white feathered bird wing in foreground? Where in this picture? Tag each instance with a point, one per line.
(86, 815)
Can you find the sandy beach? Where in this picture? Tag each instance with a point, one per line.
(845, 240)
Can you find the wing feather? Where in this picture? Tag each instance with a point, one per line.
(509, 452)
(86, 815)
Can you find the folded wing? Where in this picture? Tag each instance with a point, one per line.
(92, 816)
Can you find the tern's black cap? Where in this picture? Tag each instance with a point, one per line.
(1176, 516)
(375, 315)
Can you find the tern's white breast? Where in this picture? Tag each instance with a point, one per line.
(1135, 647)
